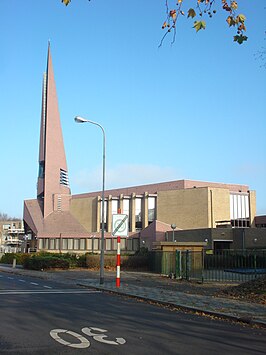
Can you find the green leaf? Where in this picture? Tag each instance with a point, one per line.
(191, 13)
(241, 18)
(240, 39)
(199, 25)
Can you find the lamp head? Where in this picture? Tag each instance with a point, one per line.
(80, 119)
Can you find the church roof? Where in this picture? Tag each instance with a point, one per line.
(57, 223)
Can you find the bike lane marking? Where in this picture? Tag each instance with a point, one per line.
(84, 343)
(101, 337)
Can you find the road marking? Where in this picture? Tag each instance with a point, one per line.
(10, 278)
(34, 283)
(100, 337)
(32, 292)
(84, 343)
(22, 280)
(47, 286)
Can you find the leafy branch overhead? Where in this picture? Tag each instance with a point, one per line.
(200, 10)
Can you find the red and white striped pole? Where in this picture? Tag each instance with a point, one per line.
(118, 260)
(118, 263)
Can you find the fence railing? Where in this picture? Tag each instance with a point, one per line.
(221, 265)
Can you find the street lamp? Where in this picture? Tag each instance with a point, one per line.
(173, 226)
(79, 119)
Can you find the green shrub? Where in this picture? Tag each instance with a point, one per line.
(136, 262)
(22, 258)
(142, 251)
(37, 262)
(81, 260)
(93, 261)
(74, 260)
(127, 261)
(45, 260)
(110, 261)
(9, 257)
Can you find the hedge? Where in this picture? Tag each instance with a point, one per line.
(74, 260)
(127, 261)
(45, 260)
(20, 258)
(37, 262)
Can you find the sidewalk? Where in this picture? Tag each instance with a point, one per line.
(151, 287)
(220, 307)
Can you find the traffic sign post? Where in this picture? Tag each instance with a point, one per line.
(120, 225)
(118, 262)
(119, 229)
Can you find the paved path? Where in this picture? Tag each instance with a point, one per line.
(228, 308)
(151, 288)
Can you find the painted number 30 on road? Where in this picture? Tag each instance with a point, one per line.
(82, 341)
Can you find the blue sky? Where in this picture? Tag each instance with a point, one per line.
(192, 110)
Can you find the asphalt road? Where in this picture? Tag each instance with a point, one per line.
(43, 317)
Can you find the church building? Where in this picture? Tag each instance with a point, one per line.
(58, 221)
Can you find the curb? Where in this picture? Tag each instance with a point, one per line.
(224, 316)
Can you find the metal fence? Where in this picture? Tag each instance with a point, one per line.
(221, 265)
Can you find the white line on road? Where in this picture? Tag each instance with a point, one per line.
(10, 278)
(34, 283)
(22, 280)
(32, 292)
(47, 286)
(13, 290)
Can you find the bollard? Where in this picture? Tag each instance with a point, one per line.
(14, 263)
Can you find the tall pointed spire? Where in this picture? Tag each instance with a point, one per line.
(53, 190)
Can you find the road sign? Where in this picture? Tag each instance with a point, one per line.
(120, 225)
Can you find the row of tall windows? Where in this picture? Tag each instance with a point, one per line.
(127, 209)
(239, 210)
(91, 244)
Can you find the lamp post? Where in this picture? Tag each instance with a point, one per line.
(173, 226)
(79, 119)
